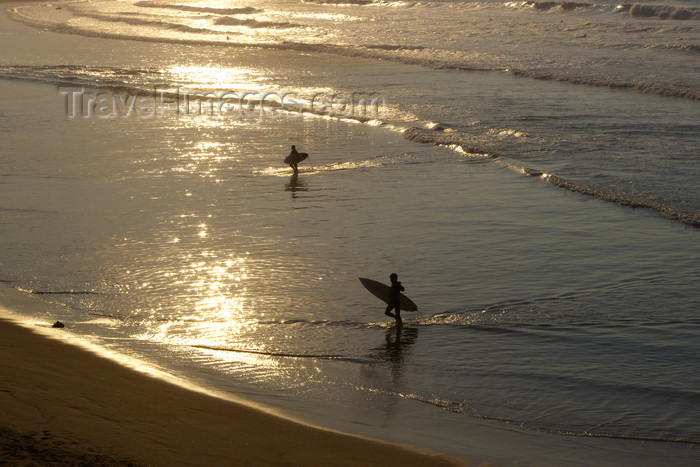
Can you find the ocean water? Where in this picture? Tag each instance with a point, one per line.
(529, 169)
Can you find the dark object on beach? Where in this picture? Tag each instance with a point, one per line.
(58, 324)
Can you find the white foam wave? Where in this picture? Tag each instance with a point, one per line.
(644, 10)
(670, 90)
(340, 2)
(638, 10)
(88, 19)
(381, 161)
(200, 9)
(155, 22)
(252, 23)
(507, 133)
(464, 143)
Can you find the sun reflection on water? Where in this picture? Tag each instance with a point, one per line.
(212, 76)
(194, 82)
(214, 309)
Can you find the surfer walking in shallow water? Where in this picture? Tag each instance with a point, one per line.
(294, 158)
(395, 299)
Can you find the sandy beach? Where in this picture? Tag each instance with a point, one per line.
(62, 405)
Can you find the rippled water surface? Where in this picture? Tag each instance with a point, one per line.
(552, 307)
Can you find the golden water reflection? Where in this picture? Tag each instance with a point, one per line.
(213, 76)
(212, 304)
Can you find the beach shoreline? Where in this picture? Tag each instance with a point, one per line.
(63, 404)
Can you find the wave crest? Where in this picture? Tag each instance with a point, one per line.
(199, 9)
(460, 141)
(642, 10)
(340, 2)
(474, 145)
(668, 212)
(638, 86)
(416, 54)
(252, 23)
(638, 10)
(566, 6)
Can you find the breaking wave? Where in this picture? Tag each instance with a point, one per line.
(643, 10)
(340, 2)
(199, 9)
(252, 23)
(133, 21)
(474, 145)
(566, 6)
(678, 90)
(668, 212)
(113, 78)
(282, 354)
(427, 56)
(374, 162)
(462, 409)
(61, 292)
(637, 10)
(464, 143)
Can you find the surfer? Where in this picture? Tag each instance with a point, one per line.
(394, 299)
(293, 159)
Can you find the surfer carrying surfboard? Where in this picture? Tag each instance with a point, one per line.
(391, 295)
(395, 299)
(294, 158)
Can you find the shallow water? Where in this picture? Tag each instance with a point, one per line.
(187, 243)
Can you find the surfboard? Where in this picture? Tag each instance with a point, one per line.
(299, 157)
(381, 291)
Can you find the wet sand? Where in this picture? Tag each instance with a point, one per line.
(62, 405)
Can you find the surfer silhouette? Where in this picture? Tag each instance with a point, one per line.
(294, 158)
(394, 299)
